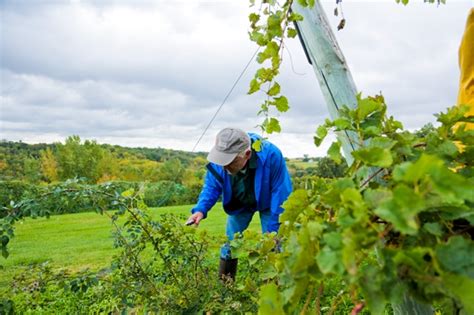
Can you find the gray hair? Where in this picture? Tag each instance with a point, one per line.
(242, 153)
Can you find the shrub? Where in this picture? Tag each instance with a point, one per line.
(39, 289)
(14, 190)
(162, 267)
(168, 193)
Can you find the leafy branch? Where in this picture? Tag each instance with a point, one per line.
(384, 238)
(269, 26)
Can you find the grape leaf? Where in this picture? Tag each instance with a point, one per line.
(281, 103)
(270, 301)
(374, 156)
(462, 287)
(457, 255)
(402, 209)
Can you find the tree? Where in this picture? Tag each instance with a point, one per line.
(79, 160)
(425, 130)
(32, 170)
(107, 167)
(172, 170)
(49, 165)
(327, 168)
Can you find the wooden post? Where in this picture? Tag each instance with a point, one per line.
(338, 89)
(330, 67)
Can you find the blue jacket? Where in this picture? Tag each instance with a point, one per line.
(272, 184)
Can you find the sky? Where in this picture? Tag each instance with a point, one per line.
(153, 73)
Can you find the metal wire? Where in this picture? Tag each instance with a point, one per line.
(225, 98)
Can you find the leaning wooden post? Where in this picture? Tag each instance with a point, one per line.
(338, 89)
(330, 68)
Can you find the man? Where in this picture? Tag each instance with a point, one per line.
(249, 181)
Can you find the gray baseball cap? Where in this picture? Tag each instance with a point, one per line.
(229, 143)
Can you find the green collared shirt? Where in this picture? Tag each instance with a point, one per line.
(243, 183)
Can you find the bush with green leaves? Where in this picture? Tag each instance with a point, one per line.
(165, 193)
(398, 226)
(165, 266)
(399, 223)
(73, 196)
(40, 289)
(14, 190)
(69, 196)
(162, 267)
(157, 194)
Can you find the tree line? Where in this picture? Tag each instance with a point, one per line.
(96, 163)
(170, 177)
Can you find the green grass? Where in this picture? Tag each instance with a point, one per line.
(82, 240)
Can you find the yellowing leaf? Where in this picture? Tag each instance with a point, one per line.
(334, 152)
(253, 18)
(291, 32)
(128, 193)
(281, 103)
(274, 90)
(254, 86)
(321, 133)
(257, 145)
(272, 125)
(270, 301)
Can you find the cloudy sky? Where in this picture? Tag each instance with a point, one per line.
(152, 73)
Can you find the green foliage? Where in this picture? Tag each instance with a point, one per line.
(305, 174)
(19, 161)
(172, 170)
(14, 190)
(271, 125)
(41, 290)
(70, 196)
(334, 152)
(50, 163)
(344, 243)
(328, 168)
(164, 265)
(166, 193)
(76, 196)
(270, 300)
(79, 160)
(269, 26)
(405, 2)
(161, 266)
(407, 226)
(32, 170)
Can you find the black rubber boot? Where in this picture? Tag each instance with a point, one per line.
(228, 269)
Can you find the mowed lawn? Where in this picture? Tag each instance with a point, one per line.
(82, 240)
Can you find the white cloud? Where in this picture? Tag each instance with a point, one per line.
(152, 73)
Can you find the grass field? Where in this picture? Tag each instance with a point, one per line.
(82, 240)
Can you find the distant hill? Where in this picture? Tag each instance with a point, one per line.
(153, 154)
(43, 162)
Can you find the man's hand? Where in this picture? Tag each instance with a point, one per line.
(195, 218)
